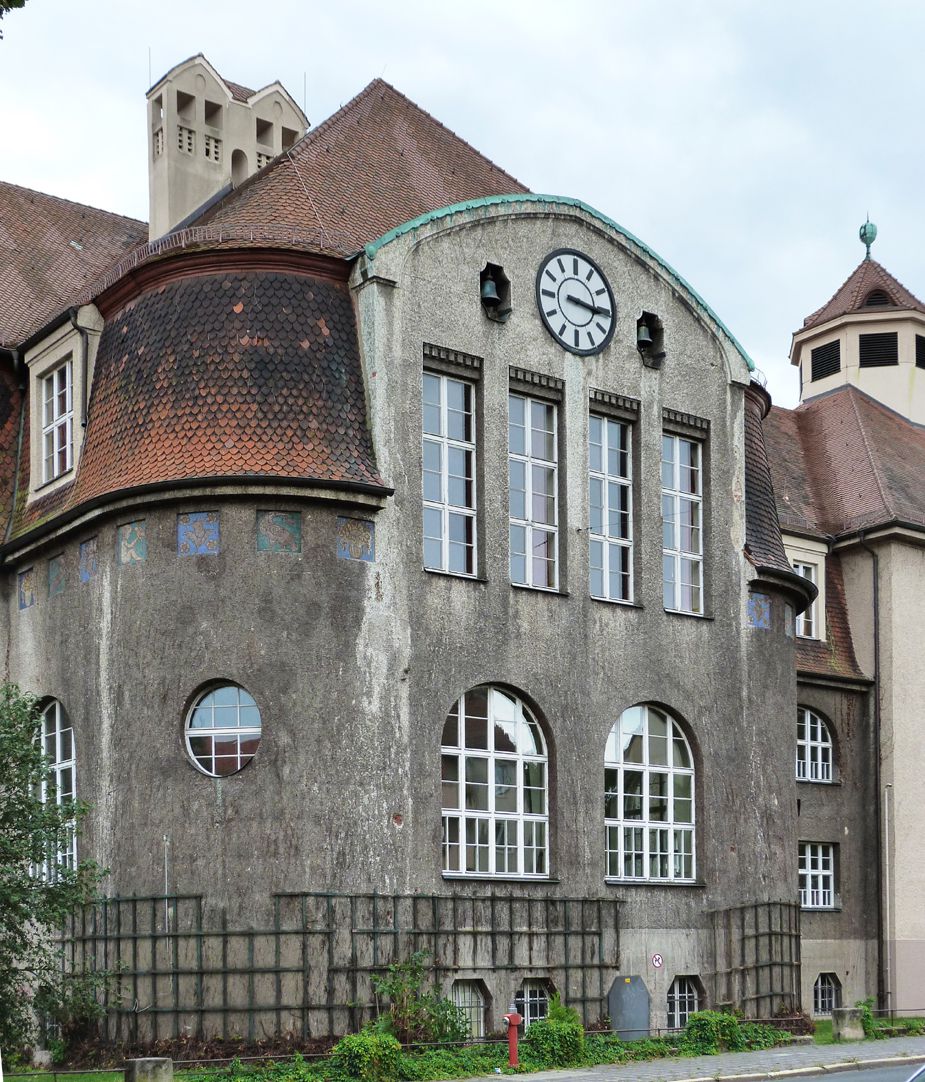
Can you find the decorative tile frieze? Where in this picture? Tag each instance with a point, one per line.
(685, 420)
(89, 563)
(26, 583)
(759, 611)
(356, 539)
(617, 402)
(279, 531)
(198, 533)
(57, 579)
(451, 357)
(534, 380)
(132, 543)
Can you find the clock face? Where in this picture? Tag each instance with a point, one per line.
(575, 301)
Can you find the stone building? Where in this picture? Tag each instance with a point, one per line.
(848, 467)
(396, 556)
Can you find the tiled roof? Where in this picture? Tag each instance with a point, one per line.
(843, 461)
(835, 656)
(762, 530)
(376, 163)
(866, 277)
(250, 374)
(51, 250)
(238, 92)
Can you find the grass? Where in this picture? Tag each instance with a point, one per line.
(823, 1033)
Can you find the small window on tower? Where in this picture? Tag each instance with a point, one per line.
(878, 350)
(826, 360)
(877, 298)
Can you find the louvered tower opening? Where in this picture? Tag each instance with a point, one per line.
(878, 350)
(877, 298)
(826, 360)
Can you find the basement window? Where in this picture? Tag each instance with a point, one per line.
(878, 350)
(826, 360)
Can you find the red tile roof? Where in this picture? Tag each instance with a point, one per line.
(245, 375)
(51, 250)
(10, 416)
(843, 461)
(376, 163)
(238, 92)
(835, 655)
(866, 277)
(762, 529)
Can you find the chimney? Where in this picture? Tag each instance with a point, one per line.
(207, 136)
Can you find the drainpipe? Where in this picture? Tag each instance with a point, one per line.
(883, 988)
(84, 339)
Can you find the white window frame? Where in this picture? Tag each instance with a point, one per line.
(233, 726)
(807, 626)
(58, 421)
(531, 459)
(441, 505)
(648, 847)
(818, 887)
(532, 1001)
(481, 839)
(683, 1001)
(59, 783)
(815, 759)
(610, 529)
(470, 999)
(826, 994)
(678, 558)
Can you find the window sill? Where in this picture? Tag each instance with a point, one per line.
(811, 638)
(820, 909)
(474, 877)
(690, 615)
(833, 783)
(614, 601)
(65, 475)
(454, 575)
(540, 589)
(613, 881)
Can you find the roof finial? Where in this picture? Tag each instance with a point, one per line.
(868, 234)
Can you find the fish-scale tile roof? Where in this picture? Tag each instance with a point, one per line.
(868, 276)
(835, 656)
(10, 414)
(51, 250)
(249, 374)
(379, 161)
(762, 529)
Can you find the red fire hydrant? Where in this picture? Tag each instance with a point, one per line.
(512, 1020)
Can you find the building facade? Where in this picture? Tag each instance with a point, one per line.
(396, 555)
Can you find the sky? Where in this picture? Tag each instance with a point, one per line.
(745, 142)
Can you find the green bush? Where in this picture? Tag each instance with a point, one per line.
(868, 1023)
(414, 1015)
(709, 1032)
(555, 1044)
(367, 1057)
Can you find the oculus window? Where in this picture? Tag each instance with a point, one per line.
(223, 730)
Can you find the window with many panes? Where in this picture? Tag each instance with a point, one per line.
(60, 783)
(817, 875)
(611, 507)
(826, 993)
(648, 798)
(532, 1002)
(533, 492)
(682, 524)
(223, 730)
(683, 1001)
(807, 622)
(494, 783)
(57, 422)
(469, 998)
(814, 747)
(449, 474)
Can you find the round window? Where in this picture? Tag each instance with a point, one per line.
(223, 730)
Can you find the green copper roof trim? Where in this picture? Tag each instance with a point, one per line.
(373, 247)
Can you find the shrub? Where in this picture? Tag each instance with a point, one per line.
(555, 1044)
(414, 1015)
(558, 1012)
(367, 1056)
(709, 1032)
(868, 1023)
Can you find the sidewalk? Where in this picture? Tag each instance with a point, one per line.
(784, 1062)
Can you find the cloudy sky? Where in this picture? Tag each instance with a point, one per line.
(745, 142)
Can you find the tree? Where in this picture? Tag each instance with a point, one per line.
(36, 894)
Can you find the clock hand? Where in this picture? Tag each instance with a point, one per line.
(591, 307)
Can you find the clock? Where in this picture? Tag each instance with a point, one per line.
(575, 301)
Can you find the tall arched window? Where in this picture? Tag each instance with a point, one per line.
(649, 798)
(814, 747)
(60, 783)
(495, 787)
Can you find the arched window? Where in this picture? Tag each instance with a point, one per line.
(470, 998)
(649, 798)
(495, 791)
(826, 993)
(532, 1001)
(683, 1001)
(60, 783)
(223, 730)
(814, 747)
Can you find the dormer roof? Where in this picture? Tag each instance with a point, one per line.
(379, 161)
(864, 290)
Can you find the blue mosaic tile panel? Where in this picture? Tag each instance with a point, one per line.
(56, 576)
(279, 531)
(356, 539)
(790, 620)
(198, 533)
(89, 559)
(759, 611)
(132, 543)
(27, 588)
